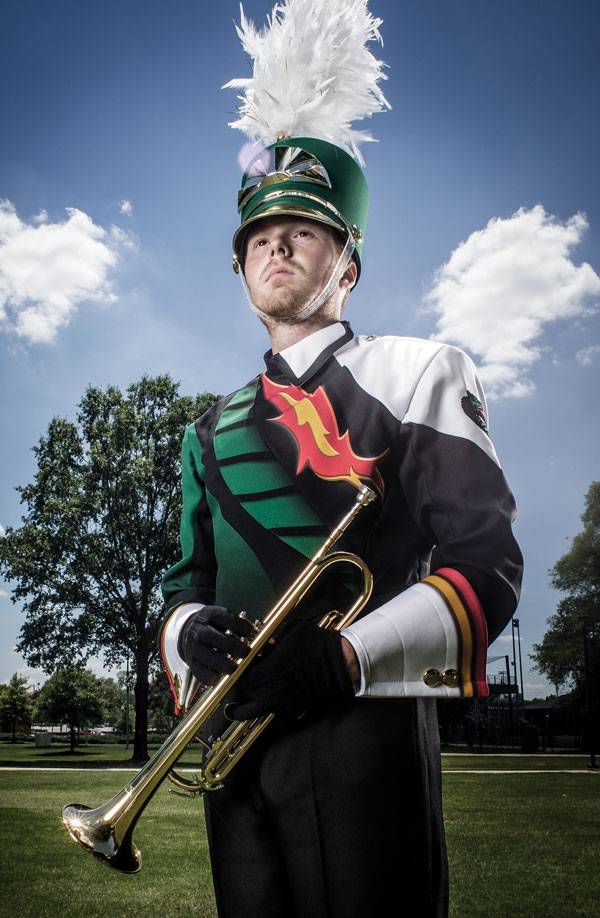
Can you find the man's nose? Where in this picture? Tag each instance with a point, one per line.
(280, 245)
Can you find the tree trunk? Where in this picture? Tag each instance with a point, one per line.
(72, 738)
(140, 741)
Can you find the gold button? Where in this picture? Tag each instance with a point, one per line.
(372, 337)
(432, 678)
(451, 678)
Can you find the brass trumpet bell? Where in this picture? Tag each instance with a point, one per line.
(106, 839)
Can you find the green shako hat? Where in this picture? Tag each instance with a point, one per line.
(312, 76)
(305, 177)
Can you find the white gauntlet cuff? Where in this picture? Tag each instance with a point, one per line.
(183, 683)
(429, 641)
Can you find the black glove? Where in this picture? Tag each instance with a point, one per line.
(305, 669)
(211, 640)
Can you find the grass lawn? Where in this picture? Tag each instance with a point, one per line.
(546, 762)
(523, 845)
(106, 755)
(45, 874)
(520, 845)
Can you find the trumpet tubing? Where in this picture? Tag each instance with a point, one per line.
(106, 831)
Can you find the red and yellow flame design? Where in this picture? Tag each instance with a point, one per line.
(311, 420)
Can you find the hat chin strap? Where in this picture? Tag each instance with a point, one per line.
(312, 307)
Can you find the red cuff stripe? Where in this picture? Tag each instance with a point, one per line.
(478, 627)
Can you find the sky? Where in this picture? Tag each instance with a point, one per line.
(118, 183)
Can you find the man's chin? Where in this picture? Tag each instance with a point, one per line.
(283, 310)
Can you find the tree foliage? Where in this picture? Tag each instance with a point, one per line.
(113, 699)
(15, 705)
(161, 703)
(560, 655)
(71, 696)
(101, 527)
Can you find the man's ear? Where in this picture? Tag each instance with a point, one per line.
(348, 278)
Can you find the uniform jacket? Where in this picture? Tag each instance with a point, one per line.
(270, 469)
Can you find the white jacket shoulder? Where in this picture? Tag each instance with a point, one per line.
(421, 382)
(391, 367)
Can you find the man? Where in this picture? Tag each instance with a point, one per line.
(336, 809)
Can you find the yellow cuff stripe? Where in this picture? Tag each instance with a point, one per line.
(463, 625)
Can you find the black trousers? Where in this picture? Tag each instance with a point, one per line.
(334, 816)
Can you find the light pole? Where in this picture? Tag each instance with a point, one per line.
(510, 704)
(588, 695)
(514, 660)
(516, 621)
(515, 625)
(127, 704)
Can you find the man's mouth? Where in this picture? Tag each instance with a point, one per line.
(279, 269)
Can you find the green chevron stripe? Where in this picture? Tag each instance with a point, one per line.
(255, 477)
(233, 415)
(262, 479)
(273, 512)
(241, 581)
(229, 443)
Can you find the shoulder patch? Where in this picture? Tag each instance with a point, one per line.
(473, 409)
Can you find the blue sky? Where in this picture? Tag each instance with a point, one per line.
(483, 165)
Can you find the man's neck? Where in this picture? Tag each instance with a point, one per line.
(283, 336)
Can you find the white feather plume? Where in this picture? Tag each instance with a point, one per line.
(312, 75)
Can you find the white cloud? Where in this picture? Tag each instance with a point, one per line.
(126, 207)
(501, 287)
(2, 531)
(587, 355)
(48, 269)
(35, 677)
(4, 593)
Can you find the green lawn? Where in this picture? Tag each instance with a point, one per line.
(45, 874)
(548, 762)
(523, 845)
(520, 845)
(26, 754)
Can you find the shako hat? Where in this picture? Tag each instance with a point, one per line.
(312, 77)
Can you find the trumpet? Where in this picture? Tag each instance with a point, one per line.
(106, 831)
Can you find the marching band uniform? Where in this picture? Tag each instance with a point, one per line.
(262, 486)
(336, 809)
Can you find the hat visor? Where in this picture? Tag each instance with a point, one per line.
(292, 205)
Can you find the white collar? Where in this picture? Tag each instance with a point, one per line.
(301, 355)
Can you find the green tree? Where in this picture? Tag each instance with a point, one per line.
(73, 696)
(125, 722)
(560, 655)
(161, 703)
(113, 698)
(15, 705)
(101, 527)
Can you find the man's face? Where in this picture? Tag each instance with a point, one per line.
(288, 262)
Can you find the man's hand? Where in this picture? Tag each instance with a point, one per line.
(304, 670)
(211, 640)
(351, 662)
